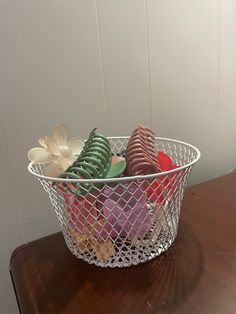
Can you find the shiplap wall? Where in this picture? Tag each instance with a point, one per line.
(168, 64)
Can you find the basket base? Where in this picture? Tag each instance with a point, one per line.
(141, 252)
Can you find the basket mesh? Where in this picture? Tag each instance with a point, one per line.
(122, 223)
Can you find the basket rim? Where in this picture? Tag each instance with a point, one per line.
(123, 179)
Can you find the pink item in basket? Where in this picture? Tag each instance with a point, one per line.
(82, 211)
(125, 211)
(140, 152)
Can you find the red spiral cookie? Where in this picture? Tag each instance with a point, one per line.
(140, 153)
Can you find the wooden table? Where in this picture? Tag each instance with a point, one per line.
(196, 275)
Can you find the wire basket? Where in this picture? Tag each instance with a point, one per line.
(123, 221)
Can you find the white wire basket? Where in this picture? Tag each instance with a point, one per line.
(123, 221)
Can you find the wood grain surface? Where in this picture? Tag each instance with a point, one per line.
(196, 275)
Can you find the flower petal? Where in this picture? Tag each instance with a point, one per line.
(52, 146)
(39, 155)
(65, 162)
(76, 144)
(60, 134)
(42, 142)
(53, 169)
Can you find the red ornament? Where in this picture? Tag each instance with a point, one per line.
(164, 186)
(82, 210)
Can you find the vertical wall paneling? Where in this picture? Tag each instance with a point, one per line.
(50, 72)
(125, 61)
(227, 87)
(183, 39)
(112, 64)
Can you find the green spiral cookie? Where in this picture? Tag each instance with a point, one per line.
(94, 162)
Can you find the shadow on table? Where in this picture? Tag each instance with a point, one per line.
(161, 284)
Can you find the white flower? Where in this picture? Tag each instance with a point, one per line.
(56, 151)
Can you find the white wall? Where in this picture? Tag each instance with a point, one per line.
(168, 64)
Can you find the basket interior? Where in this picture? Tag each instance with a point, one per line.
(119, 224)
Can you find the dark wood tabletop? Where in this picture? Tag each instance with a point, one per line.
(196, 275)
